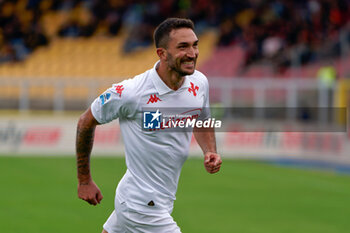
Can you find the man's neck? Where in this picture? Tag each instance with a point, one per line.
(172, 79)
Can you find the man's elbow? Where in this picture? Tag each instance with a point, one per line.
(87, 119)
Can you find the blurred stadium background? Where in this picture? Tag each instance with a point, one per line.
(57, 56)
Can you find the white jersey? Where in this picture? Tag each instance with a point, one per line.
(154, 158)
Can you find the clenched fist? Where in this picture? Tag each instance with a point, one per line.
(212, 162)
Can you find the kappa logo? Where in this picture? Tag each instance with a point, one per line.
(119, 90)
(193, 89)
(153, 99)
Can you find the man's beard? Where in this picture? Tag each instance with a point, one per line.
(173, 66)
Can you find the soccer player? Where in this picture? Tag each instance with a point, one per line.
(145, 195)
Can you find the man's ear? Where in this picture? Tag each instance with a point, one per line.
(162, 53)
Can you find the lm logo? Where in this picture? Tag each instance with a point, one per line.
(151, 120)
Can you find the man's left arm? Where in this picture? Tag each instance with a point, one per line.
(207, 142)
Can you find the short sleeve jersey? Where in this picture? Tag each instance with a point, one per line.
(154, 159)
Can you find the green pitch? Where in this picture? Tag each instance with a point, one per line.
(38, 195)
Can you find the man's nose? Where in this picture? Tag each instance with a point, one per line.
(192, 53)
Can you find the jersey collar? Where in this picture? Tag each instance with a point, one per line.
(160, 86)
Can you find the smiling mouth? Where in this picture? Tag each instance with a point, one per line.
(188, 63)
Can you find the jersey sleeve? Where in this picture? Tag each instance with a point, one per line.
(113, 103)
(205, 114)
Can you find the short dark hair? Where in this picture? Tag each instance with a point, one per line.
(162, 32)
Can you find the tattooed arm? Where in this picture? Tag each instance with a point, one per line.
(87, 189)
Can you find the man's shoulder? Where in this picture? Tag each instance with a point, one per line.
(131, 88)
(199, 74)
(200, 77)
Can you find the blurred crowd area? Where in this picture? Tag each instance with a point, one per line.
(279, 32)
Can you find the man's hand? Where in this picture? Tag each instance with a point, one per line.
(212, 162)
(90, 192)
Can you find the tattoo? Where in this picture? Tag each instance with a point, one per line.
(84, 143)
(84, 183)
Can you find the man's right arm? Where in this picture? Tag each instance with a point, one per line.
(87, 189)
